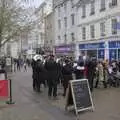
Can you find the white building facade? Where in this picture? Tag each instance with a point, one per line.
(65, 27)
(98, 28)
(49, 33)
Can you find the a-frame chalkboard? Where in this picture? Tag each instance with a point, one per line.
(79, 95)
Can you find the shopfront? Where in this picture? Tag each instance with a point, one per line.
(96, 50)
(65, 50)
(114, 50)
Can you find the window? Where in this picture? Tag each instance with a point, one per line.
(65, 38)
(102, 28)
(83, 11)
(59, 24)
(92, 31)
(72, 4)
(83, 33)
(73, 36)
(58, 10)
(65, 6)
(73, 19)
(59, 38)
(92, 8)
(102, 5)
(114, 26)
(65, 21)
(114, 2)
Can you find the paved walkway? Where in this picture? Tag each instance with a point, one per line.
(32, 106)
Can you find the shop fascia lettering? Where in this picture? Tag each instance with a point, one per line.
(92, 46)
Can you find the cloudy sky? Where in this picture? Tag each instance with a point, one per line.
(35, 3)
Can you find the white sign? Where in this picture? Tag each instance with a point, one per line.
(8, 61)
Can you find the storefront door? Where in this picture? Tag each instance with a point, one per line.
(113, 54)
(101, 54)
(92, 53)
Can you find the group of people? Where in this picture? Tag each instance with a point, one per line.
(21, 63)
(52, 71)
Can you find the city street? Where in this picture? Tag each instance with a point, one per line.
(33, 106)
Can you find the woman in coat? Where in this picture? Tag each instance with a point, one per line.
(100, 73)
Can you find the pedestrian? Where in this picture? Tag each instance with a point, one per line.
(18, 65)
(101, 71)
(52, 76)
(33, 64)
(39, 72)
(25, 67)
(91, 68)
(67, 75)
(79, 70)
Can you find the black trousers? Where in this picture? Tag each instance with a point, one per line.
(52, 89)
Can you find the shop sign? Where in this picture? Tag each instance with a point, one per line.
(114, 44)
(64, 49)
(92, 46)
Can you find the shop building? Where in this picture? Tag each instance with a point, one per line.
(97, 33)
(65, 26)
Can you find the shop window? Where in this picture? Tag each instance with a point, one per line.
(113, 54)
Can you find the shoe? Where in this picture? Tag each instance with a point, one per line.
(55, 98)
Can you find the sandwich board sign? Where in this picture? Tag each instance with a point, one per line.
(79, 95)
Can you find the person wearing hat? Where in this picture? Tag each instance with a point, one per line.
(52, 76)
(38, 73)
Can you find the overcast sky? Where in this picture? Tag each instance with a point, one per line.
(33, 3)
(36, 3)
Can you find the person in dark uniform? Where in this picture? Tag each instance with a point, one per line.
(67, 75)
(52, 76)
(33, 64)
(39, 72)
(91, 66)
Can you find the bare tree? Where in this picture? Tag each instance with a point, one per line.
(13, 20)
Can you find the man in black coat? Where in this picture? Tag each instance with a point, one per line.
(52, 76)
(39, 74)
(91, 65)
(67, 75)
(33, 64)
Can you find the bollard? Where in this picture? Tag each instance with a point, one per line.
(10, 102)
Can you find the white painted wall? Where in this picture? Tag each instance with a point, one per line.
(64, 30)
(96, 19)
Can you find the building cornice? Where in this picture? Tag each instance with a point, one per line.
(59, 3)
(82, 2)
(110, 38)
(100, 19)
